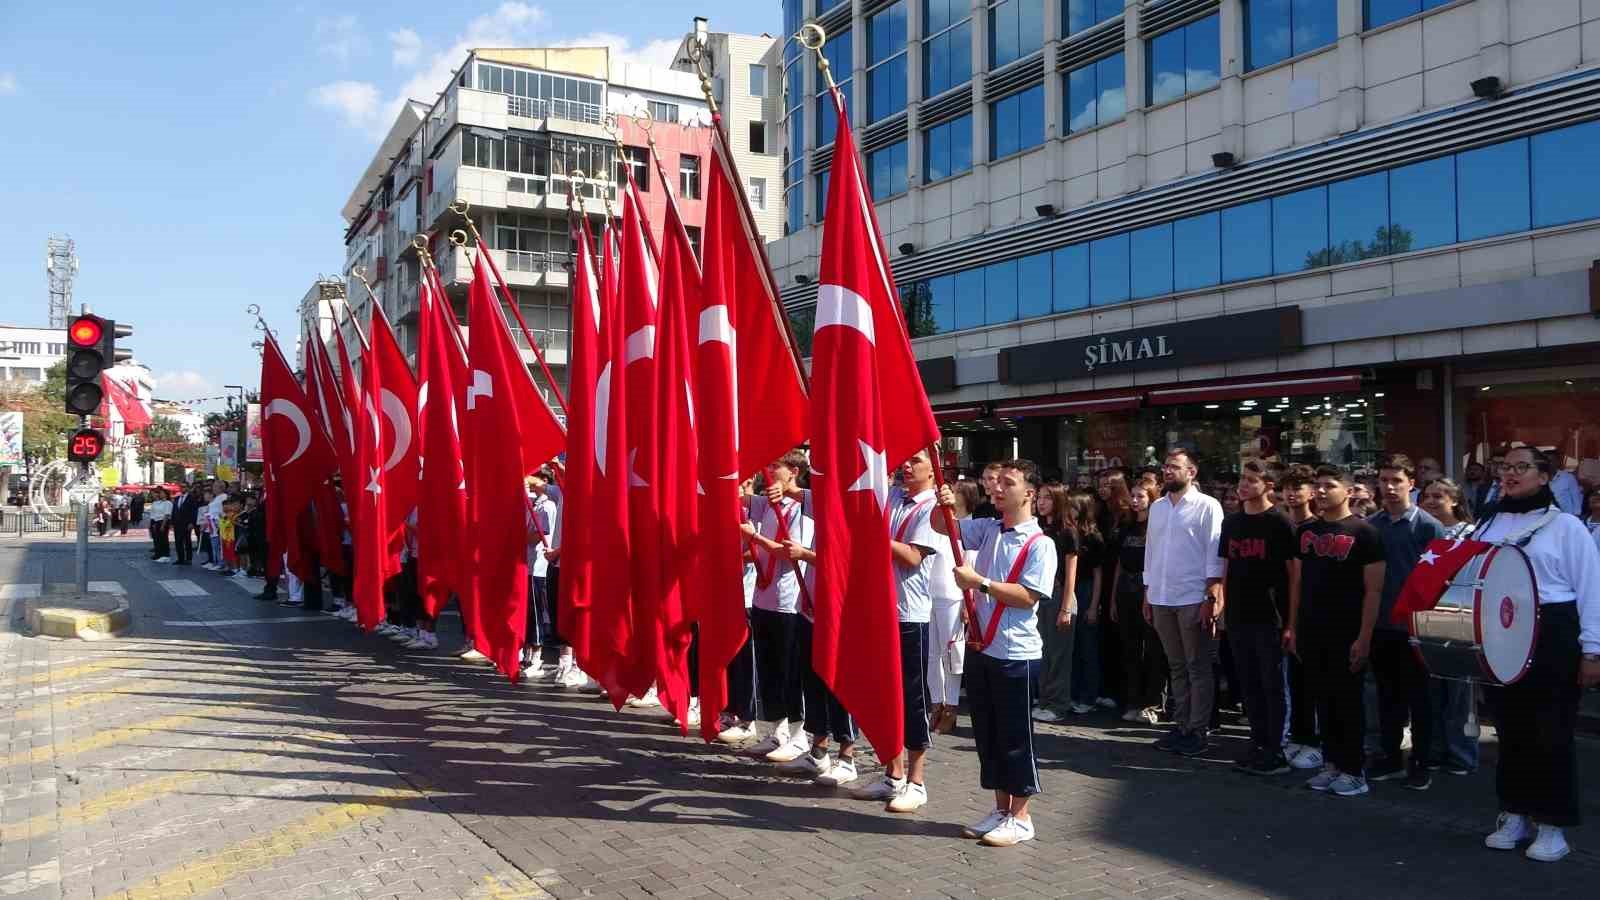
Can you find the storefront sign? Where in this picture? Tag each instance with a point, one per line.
(1266, 332)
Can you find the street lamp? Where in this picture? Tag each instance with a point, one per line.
(235, 387)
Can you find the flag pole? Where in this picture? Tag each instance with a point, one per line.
(460, 207)
(430, 270)
(747, 217)
(361, 275)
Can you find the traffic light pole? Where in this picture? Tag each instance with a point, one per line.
(81, 555)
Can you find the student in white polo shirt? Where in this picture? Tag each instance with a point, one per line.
(781, 518)
(1014, 570)
(916, 549)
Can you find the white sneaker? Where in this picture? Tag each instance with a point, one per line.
(1347, 785)
(1133, 715)
(1324, 779)
(240, 574)
(842, 772)
(882, 790)
(912, 797)
(735, 734)
(1550, 846)
(1046, 716)
(1307, 759)
(987, 824)
(347, 613)
(471, 654)
(403, 635)
(694, 712)
(648, 701)
(1513, 829)
(577, 679)
(1079, 709)
(1151, 715)
(164, 559)
(777, 738)
(542, 672)
(807, 765)
(1010, 832)
(798, 745)
(423, 641)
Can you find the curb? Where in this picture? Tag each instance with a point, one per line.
(88, 624)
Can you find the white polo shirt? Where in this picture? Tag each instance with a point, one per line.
(1180, 548)
(540, 509)
(998, 547)
(911, 522)
(782, 590)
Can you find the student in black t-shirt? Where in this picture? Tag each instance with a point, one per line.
(1261, 556)
(1331, 617)
(1144, 662)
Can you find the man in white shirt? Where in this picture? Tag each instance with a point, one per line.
(780, 526)
(1013, 571)
(1183, 596)
(214, 525)
(159, 512)
(1569, 493)
(541, 515)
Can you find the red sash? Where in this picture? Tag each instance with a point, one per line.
(993, 627)
(900, 533)
(764, 578)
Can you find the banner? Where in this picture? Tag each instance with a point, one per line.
(228, 457)
(252, 433)
(10, 439)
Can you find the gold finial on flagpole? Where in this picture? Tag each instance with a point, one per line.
(814, 37)
(574, 198)
(697, 55)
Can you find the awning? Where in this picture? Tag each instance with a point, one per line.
(1341, 382)
(963, 412)
(1069, 404)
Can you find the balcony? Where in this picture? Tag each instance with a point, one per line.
(521, 268)
(571, 110)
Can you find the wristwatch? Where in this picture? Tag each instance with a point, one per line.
(983, 586)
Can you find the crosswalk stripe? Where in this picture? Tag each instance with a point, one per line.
(183, 587)
(196, 623)
(70, 672)
(213, 870)
(20, 591)
(107, 587)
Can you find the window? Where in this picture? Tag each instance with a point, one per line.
(969, 298)
(693, 233)
(25, 348)
(886, 61)
(1076, 15)
(794, 209)
(1000, 292)
(1017, 122)
(1299, 230)
(1034, 295)
(803, 322)
(822, 195)
(1382, 12)
(1566, 185)
(758, 137)
(947, 52)
(1108, 270)
(1152, 247)
(1422, 204)
(758, 80)
(1492, 190)
(1197, 252)
(1070, 277)
(1185, 60)
(664, 112)
(794, 122)
(56, 349)
(886, 171)
(947, 149)
(1247, 241)
(638, 160)
(838, 52)
(689, 177)
(539, 94)
(1095, 93)
(1358, 220)
(1278, 29)
(756, 191)
(1016, 29)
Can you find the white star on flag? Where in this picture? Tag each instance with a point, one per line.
(1429, 557)
(372, 483)
(876, 476)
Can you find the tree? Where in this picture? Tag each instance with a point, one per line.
(917, 299)
(1387, 240)
(45, 424)
(163, 440)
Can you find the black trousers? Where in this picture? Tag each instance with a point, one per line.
(185, 545)
(778, 672)
(552, 593)
(407, 602)
(1338, 694)
(1000, 695)
(534, 631)
(1403, 696)
(1258, 666)
(825, 716)
(1144, 663)
(742, 679)
(1302, 709)
(1537, 717)
(914, 683)
(158, 533)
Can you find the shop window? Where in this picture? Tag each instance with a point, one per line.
(1299, 230)
(1152, 247)
(1016, 29)
(1070, 277)
(1016, 122)
(1000, 292)
(1566, 183)
(1422, 203)
(1108, 270)
(1278, 29)
(1197, 252)
(1033, 286)
(1358, 221)
(1185, 60)
(1096, 93)
(969, 298)
(1492, 190)
(1382, 12)
(1247, 241)
(1076, 15)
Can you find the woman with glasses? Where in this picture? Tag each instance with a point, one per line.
(1537, 778)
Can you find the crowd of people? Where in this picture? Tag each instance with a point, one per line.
(217, 518)
(1145, 598)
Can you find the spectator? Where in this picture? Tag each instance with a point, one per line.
(1569, 494)
(1059, 613)
(1452, 748)
(1144, 663)
(1086, 681)
(1591, 512)
(160, 512)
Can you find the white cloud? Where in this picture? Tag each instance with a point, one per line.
(8, 84)
(338, 37)
(184, 384)
(356, 102)
(405, 47)
(655, 53)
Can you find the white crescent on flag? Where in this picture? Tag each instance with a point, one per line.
(602, 416)
(282, 407)
(396, 412)
(838, 305)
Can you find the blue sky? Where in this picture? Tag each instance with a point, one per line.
(199, 153)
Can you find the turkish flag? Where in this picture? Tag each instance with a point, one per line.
(296, 452)
(442, 491)
(594, 594)
(322, 388)
(509, 432)
(1440, 561)
(366, 496)
(350, 390)
(676, 466)
(395, 409)
(869, 413)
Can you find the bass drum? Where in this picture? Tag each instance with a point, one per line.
(1486, 623)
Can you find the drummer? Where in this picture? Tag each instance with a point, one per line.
(1537, 778)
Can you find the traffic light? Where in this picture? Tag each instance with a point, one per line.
(86, 445)
(91, 349)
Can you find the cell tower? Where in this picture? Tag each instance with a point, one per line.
(61, 265)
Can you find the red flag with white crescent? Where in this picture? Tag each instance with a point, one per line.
(296, 451)
(1440, 561)
(442, 487)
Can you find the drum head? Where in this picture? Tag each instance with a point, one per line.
(1507, 614)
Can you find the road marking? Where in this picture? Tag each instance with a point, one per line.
(112, 736)
(28, 879)
(213, 870)
(20, 591)
(511, 886)
(196, 623)
(98, 808)
(107, 587)
(183, 587)
(71, 672)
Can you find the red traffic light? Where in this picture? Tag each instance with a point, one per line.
(86, 445)
(86, 331)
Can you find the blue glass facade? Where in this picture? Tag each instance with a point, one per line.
(1016, 123)
(1382, 12)
(1016, 29)
(1096, 93)
(886, 61)
(947, 149)
(1076, 15)
(886, 171)
(1184, 60)
(1276, 30)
